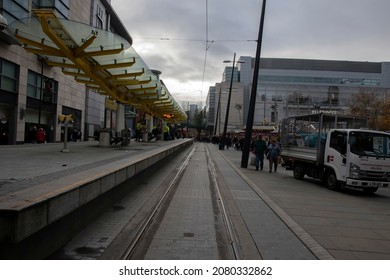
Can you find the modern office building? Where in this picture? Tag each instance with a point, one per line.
(288, 87)
(193, 111)
(216, 103)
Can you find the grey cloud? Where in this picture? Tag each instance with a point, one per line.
(332, 29)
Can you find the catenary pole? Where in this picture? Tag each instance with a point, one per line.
(252, 101)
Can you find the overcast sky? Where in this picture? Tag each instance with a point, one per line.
(170, 35)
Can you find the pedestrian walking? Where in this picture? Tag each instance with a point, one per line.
(41, 136)
(138, 131)
(33, 134)
(259, 147)
(273, 153)
(166, 132)
(228, 142)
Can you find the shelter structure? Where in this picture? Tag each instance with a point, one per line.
(100, 59)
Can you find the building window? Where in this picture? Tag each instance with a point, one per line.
(318, 80)
(50, 87)
(33, 85)
(107, 21)
(14, 9)
(99, 17)
(9, 73)
(60, 6)
(274, 116)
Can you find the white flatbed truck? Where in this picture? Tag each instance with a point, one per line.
(336, 150)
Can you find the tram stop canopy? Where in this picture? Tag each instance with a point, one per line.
(101, 60)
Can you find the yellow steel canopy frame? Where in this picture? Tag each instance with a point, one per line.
(101, 60)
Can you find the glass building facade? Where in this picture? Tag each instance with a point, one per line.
(290, 87)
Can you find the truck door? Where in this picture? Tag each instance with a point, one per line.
(335, 155)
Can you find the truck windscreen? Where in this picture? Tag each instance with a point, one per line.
(369, 144)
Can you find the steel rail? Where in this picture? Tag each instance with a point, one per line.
(228, 223)
(147, 222)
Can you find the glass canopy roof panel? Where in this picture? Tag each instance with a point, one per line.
(107, 53)
(104, 39)
(30, 28)
(167, 101)
(126, 56)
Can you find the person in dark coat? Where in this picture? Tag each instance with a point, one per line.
(259, 147)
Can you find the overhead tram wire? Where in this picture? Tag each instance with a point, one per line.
(197, 40)
(208, 44)
(205, 53)
(204, 66)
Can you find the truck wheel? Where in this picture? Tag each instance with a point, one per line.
(331, 181)
(299, 171)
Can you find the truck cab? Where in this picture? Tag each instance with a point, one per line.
(358, 158)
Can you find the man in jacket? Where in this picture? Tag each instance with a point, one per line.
(259, 148)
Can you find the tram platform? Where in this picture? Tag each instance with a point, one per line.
(40, 184)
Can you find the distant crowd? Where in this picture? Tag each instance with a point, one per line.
(260, 149)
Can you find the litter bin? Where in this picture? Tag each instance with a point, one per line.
(126, 136)
(104, 139)
(145, 137)
(221, 146)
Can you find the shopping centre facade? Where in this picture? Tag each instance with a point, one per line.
(290, 87)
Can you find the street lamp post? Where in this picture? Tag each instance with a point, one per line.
(217, 115)
(40, 93)
(228, 102)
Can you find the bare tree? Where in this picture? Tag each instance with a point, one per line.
(384, 119)
(367, 104)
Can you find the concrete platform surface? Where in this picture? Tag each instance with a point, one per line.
(39, 184)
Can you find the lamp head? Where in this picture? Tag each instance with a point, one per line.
(229, 61)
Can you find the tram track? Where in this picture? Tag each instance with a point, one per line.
(147, 230)
(233, 239)
(128, 253)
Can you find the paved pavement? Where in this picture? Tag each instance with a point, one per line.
(276, 236)
(348, 224)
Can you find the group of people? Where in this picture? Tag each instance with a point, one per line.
(235, 142)
(37, 135)
(271, 151)
(167, 132)
(260, 148)
(172, 132)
